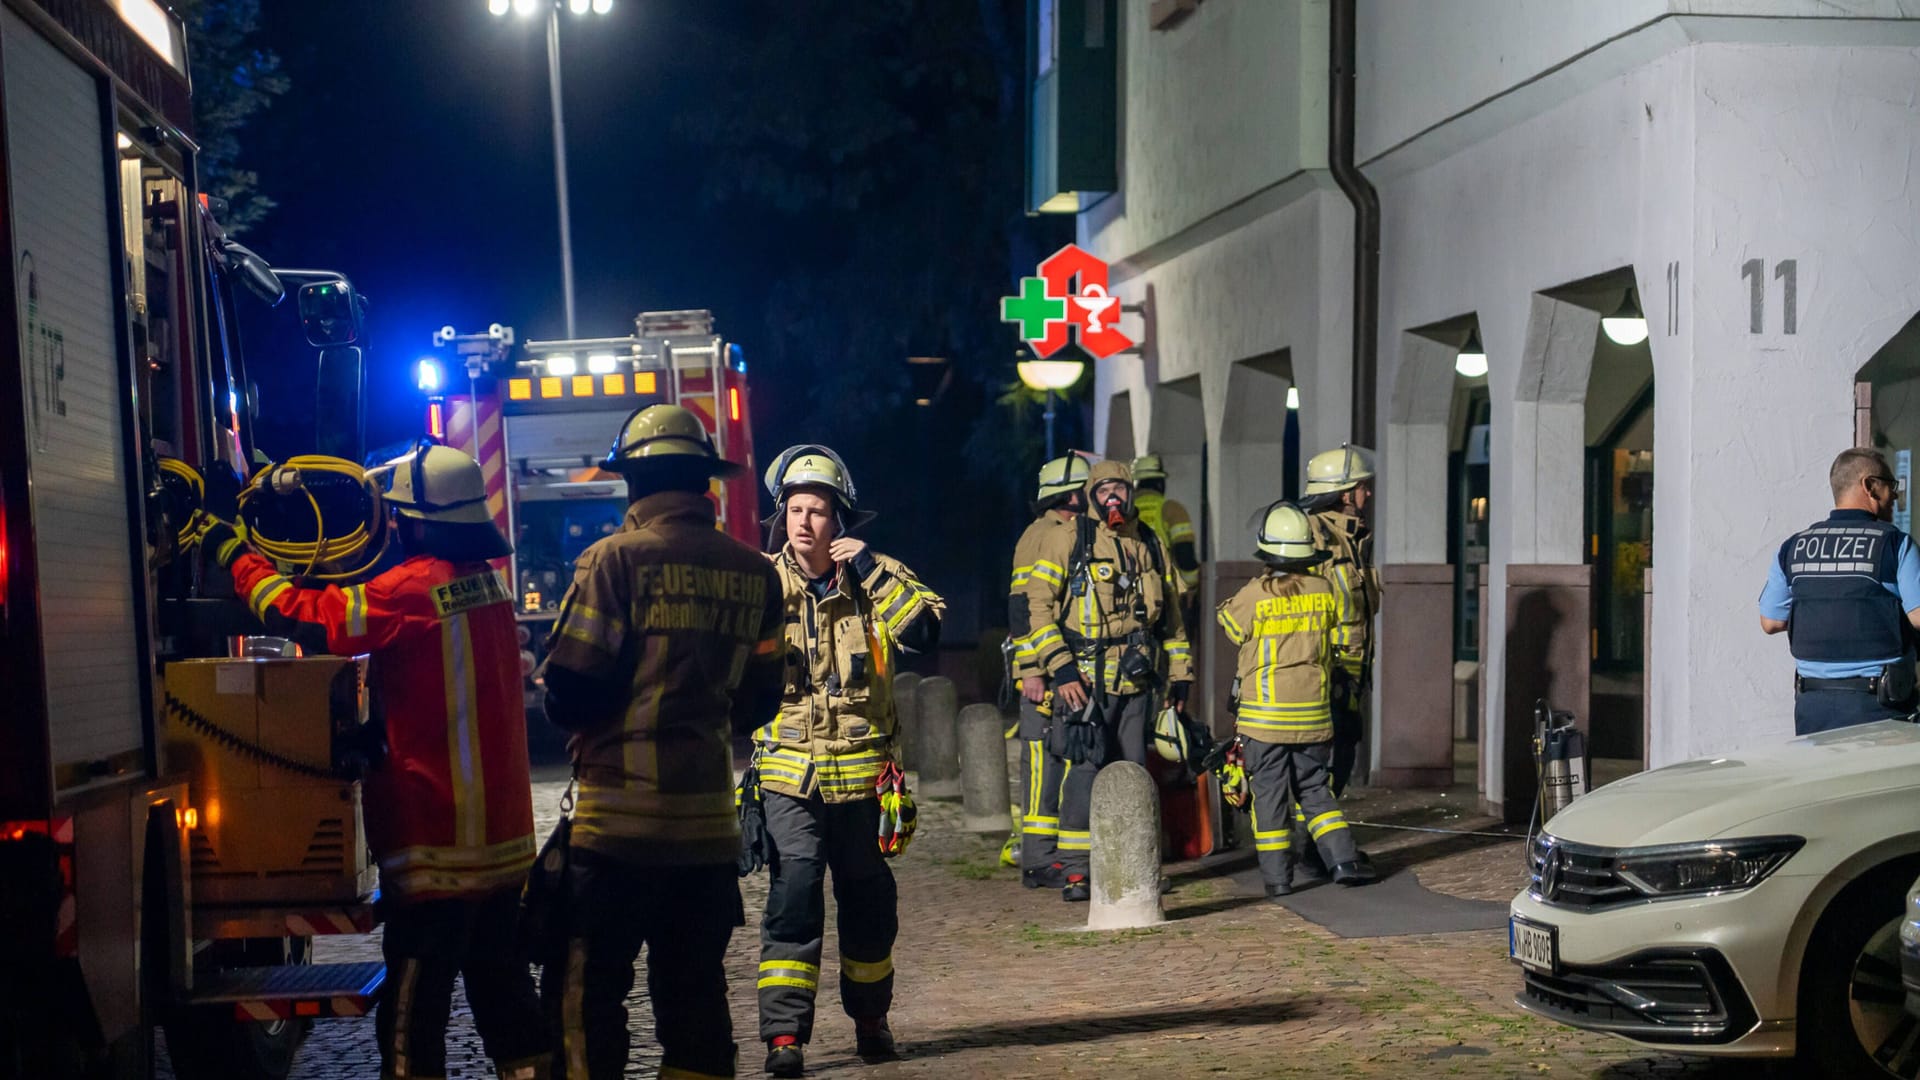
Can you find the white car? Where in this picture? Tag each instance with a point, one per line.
(1749, 905)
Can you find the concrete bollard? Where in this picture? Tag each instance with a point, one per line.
(1125, 823)
(906, 711)
(1016, 769)
(938, 707)
(983, 770)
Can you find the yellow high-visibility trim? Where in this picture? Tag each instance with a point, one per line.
(782, 980)
(265, 593)
(795, 965)
(862, 971)
(1051, 573)
(1330, 821)
(356, 610)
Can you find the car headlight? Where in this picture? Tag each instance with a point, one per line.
(1715, 866)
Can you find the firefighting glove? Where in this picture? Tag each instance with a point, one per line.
(1233, 779)
(755, 844)
(1081, 739)
(898, 816)
(1177, 694)
(224, 541)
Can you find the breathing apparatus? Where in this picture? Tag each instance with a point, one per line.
(1116, 508)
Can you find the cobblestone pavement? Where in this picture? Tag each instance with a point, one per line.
(995, 980)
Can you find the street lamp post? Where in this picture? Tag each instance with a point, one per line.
(578, 7)
(1050, 376)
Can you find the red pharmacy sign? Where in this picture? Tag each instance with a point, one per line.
(1050, 310)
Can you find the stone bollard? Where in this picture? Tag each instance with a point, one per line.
(1016, 770)
(906, 711)
(938, 705)
(1125, 823)
(983, 770)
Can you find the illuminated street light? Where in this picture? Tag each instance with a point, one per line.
(1050, 374)
(578, 7)
(1293, 398)
(1472, 361)
(1627, 325)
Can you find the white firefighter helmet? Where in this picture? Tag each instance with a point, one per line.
(1063, 475)
(1285, 535)
(436, 483)
(1337, 470)
(812, 465)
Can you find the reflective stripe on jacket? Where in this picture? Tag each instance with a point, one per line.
(1019, 618)
(1283, 626)
(1116, 593)
(1355, 581)
(449, 813)
(686, 620)
(1169, 521)
(836, 723)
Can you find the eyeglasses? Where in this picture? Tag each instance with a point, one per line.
(1893, 483)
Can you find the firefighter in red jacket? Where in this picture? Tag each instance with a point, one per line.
(449, 812)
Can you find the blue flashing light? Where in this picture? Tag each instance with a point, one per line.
(738, 357)
(429, 376)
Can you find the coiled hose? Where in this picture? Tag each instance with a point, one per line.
(184, 486)
(261, 508)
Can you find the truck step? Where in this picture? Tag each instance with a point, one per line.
(294, 990)
(225, 921)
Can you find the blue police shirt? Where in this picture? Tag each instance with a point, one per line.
(1776, 602)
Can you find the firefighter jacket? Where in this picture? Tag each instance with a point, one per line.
(1356, 585)
(449, 813)
(1025, 551)
(843, 634)
(667, 642)
(1170, 521)
(1283, 625)
(1092, 594)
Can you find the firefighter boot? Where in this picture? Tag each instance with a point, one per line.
(1355, 873)
(1076, 890)
(785, 1057)
(873, 1041)
(1052, 876)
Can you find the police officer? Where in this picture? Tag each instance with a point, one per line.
(848, 613)
(1846, 591)
(668, 640)
(449, 811)
(1058, 504)
(1283, 623)
(1103, 628)
(1339, 502)
(1167, 518)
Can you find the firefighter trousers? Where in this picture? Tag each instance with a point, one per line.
(811, 838)
(1040, 810)
(1120, 735)
(685, 916)
(1289, 780)
(1349, 728)
(429, 943)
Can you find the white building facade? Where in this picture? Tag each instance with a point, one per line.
(1746, 172)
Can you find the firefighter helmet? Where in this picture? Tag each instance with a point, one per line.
(1286, 536)
(665, 434)
(812, 465)
(444, 488)
(1149, 467)
(1333, 471)
(1062, 476)
(1170, 738)
(1105, 473)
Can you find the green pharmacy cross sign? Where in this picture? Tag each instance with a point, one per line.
(1050, 311)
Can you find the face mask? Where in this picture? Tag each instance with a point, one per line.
(1116, 513)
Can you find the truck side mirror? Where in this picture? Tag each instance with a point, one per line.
(330, 313)
(254, 272)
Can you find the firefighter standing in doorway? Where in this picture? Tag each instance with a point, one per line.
(668, 641)
(829, 781)
(1283, 623)
(1058, 504)
(1339, 501)
(1104, 629)
(449, 812)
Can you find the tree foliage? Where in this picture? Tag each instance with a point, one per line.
(234, 80)
(885, 144)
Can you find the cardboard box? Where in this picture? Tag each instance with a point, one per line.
(234, 716)
(280, 845)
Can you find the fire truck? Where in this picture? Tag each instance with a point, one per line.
(539, 417)
(141, 881)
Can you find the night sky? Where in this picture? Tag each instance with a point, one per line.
(414, 153)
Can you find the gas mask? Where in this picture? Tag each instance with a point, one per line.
(1116, 504)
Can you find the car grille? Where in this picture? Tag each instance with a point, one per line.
(1570, 876)
(1658, 998)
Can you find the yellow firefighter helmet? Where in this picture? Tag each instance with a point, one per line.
(1063, 475)
(1337, 470)
(1285, 535)
(665, 434)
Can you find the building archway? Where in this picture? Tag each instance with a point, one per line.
(1119, 440)
(1255, 461)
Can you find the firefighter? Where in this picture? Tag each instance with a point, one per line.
(1059, 503)
(1339, 502)
(1105, 630)
(1168, 519)
(449, 812)
(667, 642)
(1283, 622)
(823, 762)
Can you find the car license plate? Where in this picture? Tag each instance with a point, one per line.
(1531, 945)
